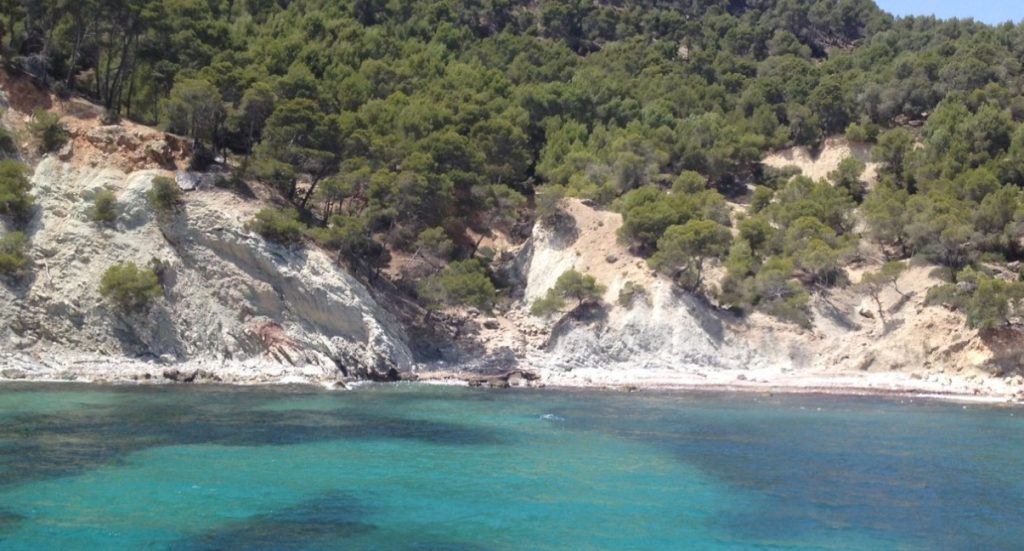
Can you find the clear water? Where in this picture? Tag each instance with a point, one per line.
(414, 467)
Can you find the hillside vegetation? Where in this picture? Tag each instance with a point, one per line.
(412, 127)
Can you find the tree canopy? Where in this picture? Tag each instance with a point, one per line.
(381, 122)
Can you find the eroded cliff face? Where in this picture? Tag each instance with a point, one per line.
(235, 308)
(672, 337)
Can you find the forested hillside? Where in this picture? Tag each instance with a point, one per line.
(414, 125)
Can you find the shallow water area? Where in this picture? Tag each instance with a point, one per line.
(432, 467)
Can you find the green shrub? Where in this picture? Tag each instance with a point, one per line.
(775, 292)
(104, 207)
(461, 283)
(130, 288)
(15, 200)
(689, 182)
(547, 305)
(945, 294)
(630, 293)
(352, 238)
(683, 249)
(848, 176)
(761, 198)
(986, 302)
(164, 195)
(13, 249)
(792, 308)
(435, 242)
(571, 285)
(862, 133)
(47, 129)
(278, 225)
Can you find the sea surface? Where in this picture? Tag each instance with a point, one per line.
(422, 467)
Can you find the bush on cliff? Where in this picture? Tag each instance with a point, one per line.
(130, 288)
(165, 195)
(278, 225)
(630, 293)
(104, 207)
(48, 131)
(571, 285)
(13, 259)
(461, 283)
(15, 200)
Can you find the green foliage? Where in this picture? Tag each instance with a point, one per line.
(501, 205)
(689, 181)
(104, 207)
(385, 119)
(848, 177)
(885, 211)
(13, 254)
(761, 198)
(435, 242)
(278, 225)
(461, 283)
(194, 108)
(815, 250)
(351, 237)
(987, 302)
(129, 288)
(890, 273)
(299, 139)
(862, 133)
(648, 211)
(875, 282)
(570, 286)
(630, 293)
(15, 199)
(893, 152)
(775, 293)
(805, 198)
(50, 134)
(768, 286)
(683, 249)
(164, 195)
(547, 305)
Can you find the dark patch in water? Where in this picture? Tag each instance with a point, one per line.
(331, 521)
(861, 464)
(322, 523)
(41, 446)
(8, 522)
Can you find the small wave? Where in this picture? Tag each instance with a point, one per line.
(552, 417)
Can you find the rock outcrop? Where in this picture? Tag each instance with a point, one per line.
(667, 337)
(236, 307)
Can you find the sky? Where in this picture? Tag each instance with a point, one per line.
(988, 11)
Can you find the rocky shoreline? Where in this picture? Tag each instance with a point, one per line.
(124, 371)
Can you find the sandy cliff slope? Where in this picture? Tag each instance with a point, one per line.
(673, 339)
(820, 162)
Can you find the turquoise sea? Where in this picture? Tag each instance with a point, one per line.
(421, 467)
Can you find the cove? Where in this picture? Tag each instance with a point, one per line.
(425, 467)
